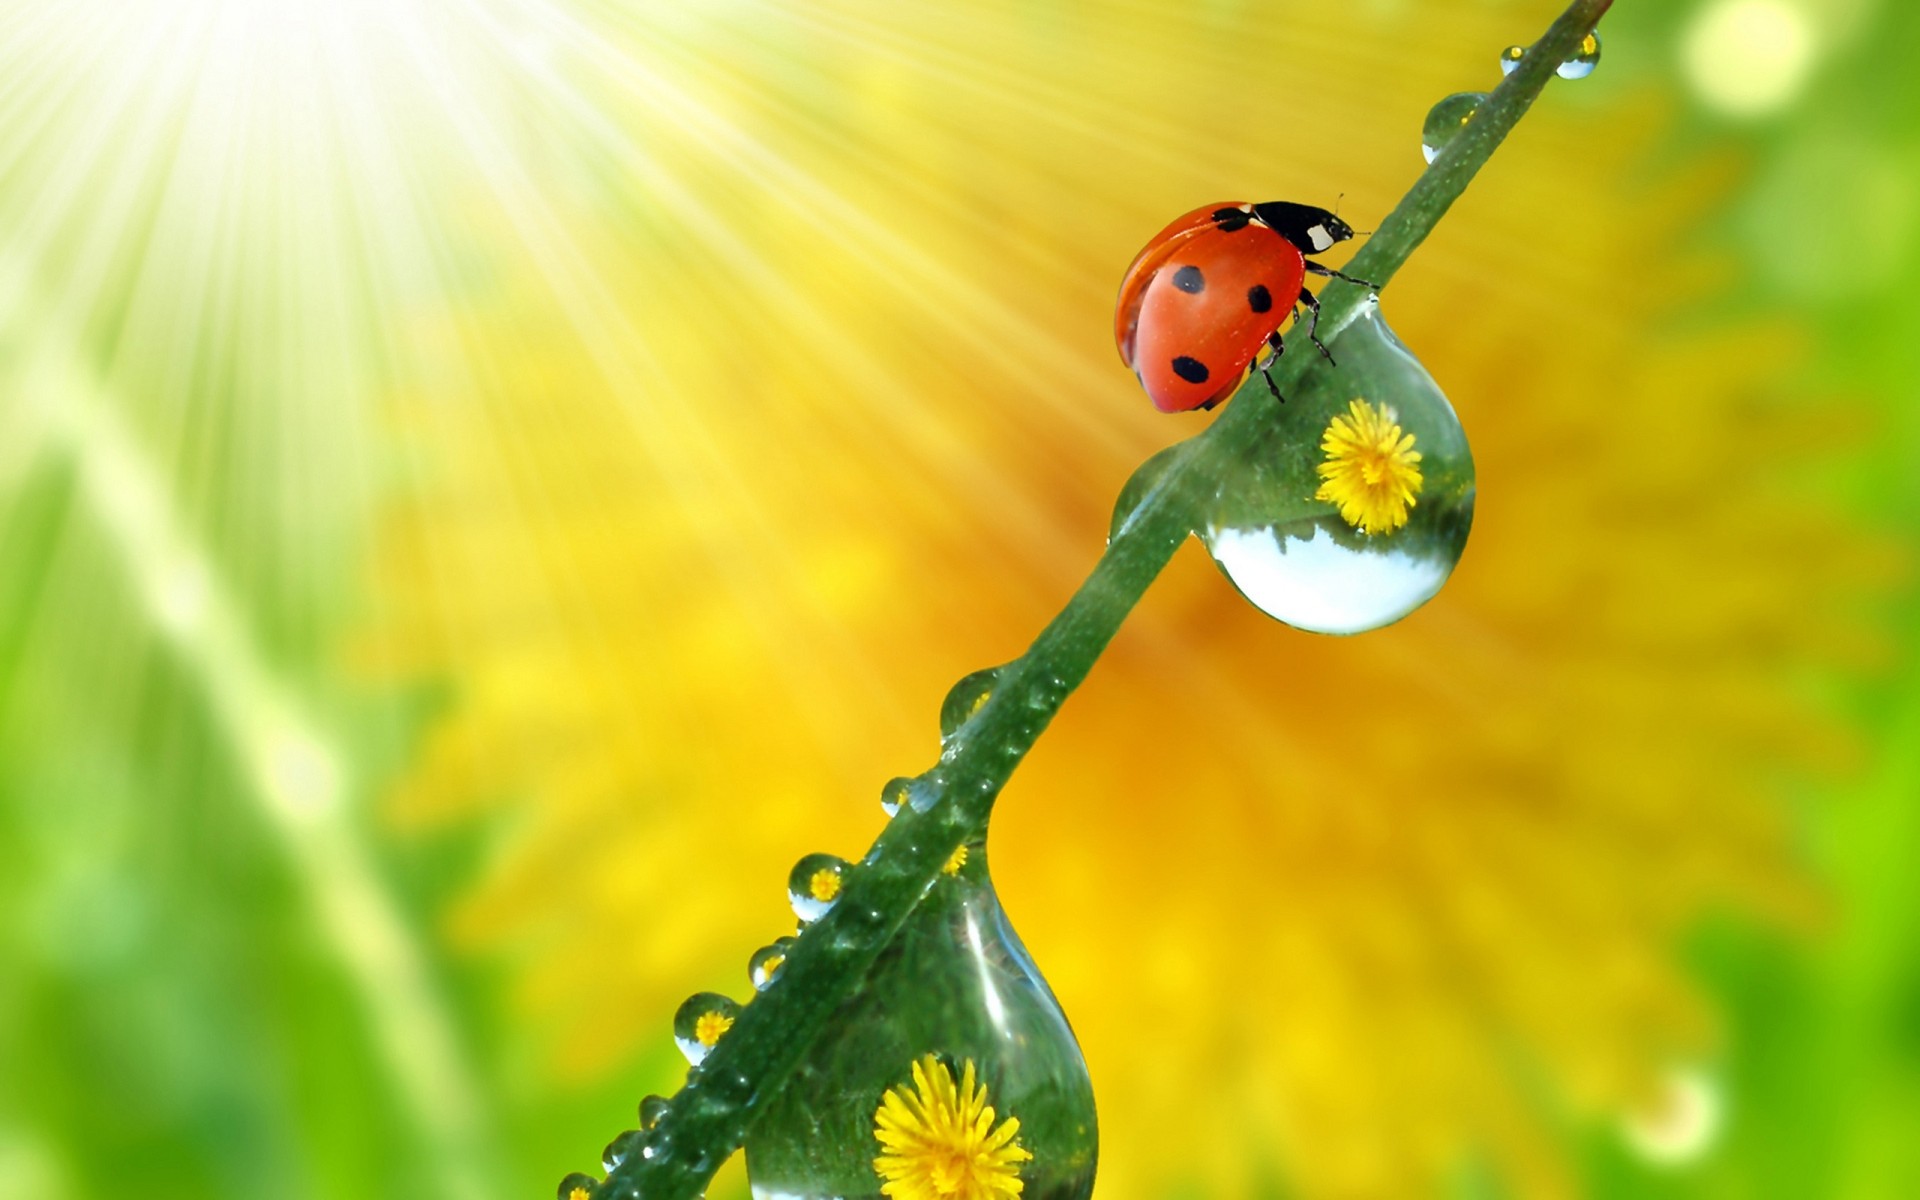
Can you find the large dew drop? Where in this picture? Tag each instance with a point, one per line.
(952, 1020)
(1353, 507)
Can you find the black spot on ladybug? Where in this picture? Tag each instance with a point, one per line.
(1189, 279)
(1232, 220)
(1259, 299)
(1190, 369)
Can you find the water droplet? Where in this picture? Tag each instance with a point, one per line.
(577, 1187)
(897, 794)
(1140, 485)
(953, 1015)
(815, 884)
(701, 1022)
(1445, 120)
(620, 1149)
(764, 966)
(965, 700)
(1585, 58)
(1352, 508)
(918, 794)
(651, 1110)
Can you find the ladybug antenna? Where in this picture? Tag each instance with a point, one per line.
(1337, 201)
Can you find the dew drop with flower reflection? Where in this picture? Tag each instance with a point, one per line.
(764, 967)
(815, 884)
(701, 1022)
(949, 1074)
(1353, 506)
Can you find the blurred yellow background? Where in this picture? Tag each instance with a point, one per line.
(485, 485)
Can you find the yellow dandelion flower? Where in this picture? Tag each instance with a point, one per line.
(708, 1029)
(579, 1193)
(824, 884)
(955, 861)
(940, 1140)
(1372, 472)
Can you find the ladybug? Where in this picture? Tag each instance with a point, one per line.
(1212, 289)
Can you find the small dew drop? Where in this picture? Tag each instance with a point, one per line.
(1146, 481)
(815, 885)
(764, 966)
(918, 794)
(651, 1110)
(701, 1022)
(1584, 59)
(1446, 119)
(896, 795)
(620, 1149)
(965, 700)
(576, 1187)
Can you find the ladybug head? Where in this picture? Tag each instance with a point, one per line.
(1310, 229)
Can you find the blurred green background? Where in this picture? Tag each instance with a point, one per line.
(485, 486)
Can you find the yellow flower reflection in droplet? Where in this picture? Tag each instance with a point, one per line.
(940, 1140)
(1372, 471)
(709, 1028)
(955, 861)
(824, 884)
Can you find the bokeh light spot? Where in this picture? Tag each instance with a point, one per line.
(1747, 58)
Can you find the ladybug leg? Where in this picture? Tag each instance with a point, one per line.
(1312, 303)
(1266, 368)
(1314, 268)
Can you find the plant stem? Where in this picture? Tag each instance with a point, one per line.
(710, 1117)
